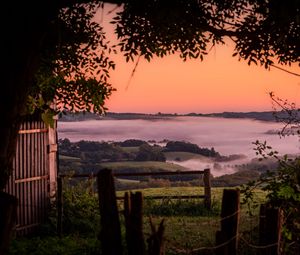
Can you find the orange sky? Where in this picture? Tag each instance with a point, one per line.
(219, 83)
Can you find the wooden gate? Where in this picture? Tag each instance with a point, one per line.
(34, 177)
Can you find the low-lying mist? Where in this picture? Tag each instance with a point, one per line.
(227, 136)
(216, 168)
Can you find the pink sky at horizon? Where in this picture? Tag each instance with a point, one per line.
(219, 83)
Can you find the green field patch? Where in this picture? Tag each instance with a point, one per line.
(63, 157)
(183, 156)
(216, 193)
(128, 181)
(168, 191)
(143, 165)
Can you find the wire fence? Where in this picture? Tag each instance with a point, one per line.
(248, 236)
(247, 239)
(196, 234)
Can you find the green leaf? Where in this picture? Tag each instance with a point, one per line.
(48, 118)
(286, 192)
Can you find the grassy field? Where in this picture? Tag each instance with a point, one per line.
(150, 165)
(189, 225)
(63, 157)
(68, 164)
(182, 156)
(216, 193)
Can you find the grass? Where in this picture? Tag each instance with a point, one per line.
(128, 181)
(167, 191)
(66, 245)
(150, 165)
(189, 224)
(187, 232)
(63, 157)
(182, 156)
(216, 193)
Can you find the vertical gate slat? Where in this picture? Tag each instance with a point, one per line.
(29, 173)
(26, 184)
(41, 157)
(25, 187)
(39, 182)
(44, 171)
(23, 175)
(41, 172)
(35, 169)
(33, 173)
(17, 170)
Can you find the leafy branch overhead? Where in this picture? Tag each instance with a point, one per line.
(75, 66)
(75, 63)
(263, 31)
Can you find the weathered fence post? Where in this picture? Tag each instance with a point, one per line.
(207, 188)
(270, 225)
(8, 216)
(133, 212)
(220, 240)
(59, 203)
(156, 241)
(229, 223)
(110, 233)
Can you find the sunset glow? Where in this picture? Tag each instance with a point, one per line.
(219, 83)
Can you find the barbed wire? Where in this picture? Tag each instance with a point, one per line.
(257, 246)
(178, 249)
(191, 251)
(238, 236)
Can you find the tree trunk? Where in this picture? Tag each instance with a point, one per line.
(24, 29)
(24, 26)
(8, 214)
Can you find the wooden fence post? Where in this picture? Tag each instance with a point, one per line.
(133, 213)
(127, 211)
(207, 188)
(8, 216)
(110, 233)
(270, 225)
(229, 223)
(59, 206)
(156, 241)
(220, 239)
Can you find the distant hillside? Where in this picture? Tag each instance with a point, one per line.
(81, 116)
(264, 116)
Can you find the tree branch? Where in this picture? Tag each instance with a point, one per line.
(67, 3)
(287, 71)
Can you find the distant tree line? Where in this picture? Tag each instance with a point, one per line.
(116, 151)
(190, 147)
(97, 152)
